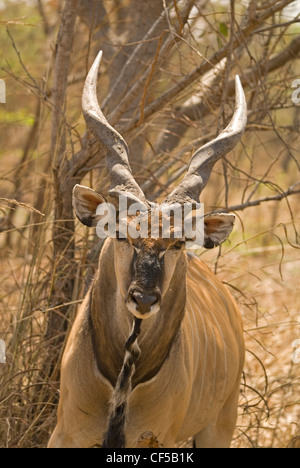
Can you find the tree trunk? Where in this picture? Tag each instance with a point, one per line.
(63, 230)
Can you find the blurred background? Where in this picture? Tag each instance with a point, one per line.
(167, 85)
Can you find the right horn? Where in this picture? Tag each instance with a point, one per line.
(205, 158)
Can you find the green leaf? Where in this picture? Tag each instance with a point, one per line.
(223, 29)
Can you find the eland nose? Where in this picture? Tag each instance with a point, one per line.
(144, 302)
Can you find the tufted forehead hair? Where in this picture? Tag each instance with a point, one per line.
(154, 228)
(157, 225)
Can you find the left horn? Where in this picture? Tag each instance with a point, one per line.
(205, 158)
(121, 178)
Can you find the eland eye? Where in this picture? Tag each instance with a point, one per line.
(178, 245)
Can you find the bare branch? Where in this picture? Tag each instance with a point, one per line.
(41, 8)
(205, 66)
(242, 206)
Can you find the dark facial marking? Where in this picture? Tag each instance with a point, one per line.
(209, 244)
(86, 221)
(147, 269)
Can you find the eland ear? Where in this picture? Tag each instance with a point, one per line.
(217, 229)
(85, 203)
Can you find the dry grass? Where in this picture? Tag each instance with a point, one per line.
(269, 405)
(267, 288)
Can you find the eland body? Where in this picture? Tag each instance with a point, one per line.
(186, 377)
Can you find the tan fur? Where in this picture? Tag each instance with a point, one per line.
(195, 391)
(187, 375)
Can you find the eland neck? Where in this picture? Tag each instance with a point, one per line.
(111, 321)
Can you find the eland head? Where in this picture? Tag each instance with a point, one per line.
(145, 264)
